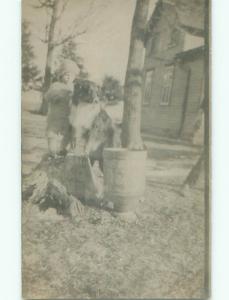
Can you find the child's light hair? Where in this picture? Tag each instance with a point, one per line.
(68, 66)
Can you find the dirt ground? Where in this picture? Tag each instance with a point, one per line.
(158, 255)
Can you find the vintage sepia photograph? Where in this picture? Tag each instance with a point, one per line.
(115, 149)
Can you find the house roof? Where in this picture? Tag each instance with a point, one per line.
(190, 54)
(190, 15)
(192, 30)
(191, 21)
(192, 41)
(154, 18)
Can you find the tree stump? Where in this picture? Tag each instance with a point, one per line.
(63, 183)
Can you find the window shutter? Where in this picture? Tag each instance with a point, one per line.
(148, 87)
(167, 85)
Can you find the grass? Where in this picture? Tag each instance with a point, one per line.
(97, 255)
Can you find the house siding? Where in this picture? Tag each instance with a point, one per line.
(168, 120)
(194, 96)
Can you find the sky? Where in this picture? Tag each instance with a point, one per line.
(104, 47)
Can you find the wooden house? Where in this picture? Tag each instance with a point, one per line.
(173, 73)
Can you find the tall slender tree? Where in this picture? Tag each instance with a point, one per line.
(50, 52)
(55, 9)
(131, 130)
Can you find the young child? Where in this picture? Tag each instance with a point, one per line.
(59, 98)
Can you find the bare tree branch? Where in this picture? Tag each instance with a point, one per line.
(76, 31)
(43, 40)
(192, 30)
(48, 11)
(44, 3)
(83, 18)
(69, 37)
(62, 9)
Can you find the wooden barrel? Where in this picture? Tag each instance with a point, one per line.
(124, 177)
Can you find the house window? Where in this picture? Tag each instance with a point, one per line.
(202, 92)
(148, 87)
(174, 38)
(155, 43)
(167, 85)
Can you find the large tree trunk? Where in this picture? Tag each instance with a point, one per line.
(131, 135)
(49, 59)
